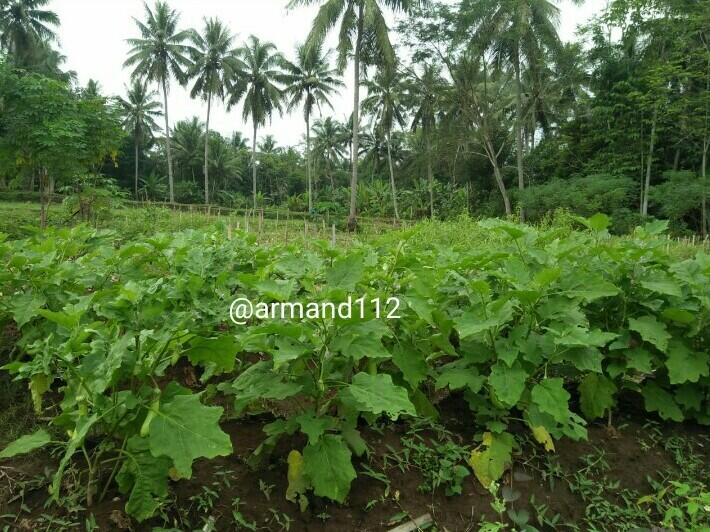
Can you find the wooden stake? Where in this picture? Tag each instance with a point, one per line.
(333, 236)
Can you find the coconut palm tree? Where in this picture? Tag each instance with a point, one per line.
(213, 63)
(424, 94)
(517, 33)
(24, 25)
(238, 141)
(328, 147)
(159, 55)
(140, 111)
(258, 70)
(384, 103)
(188, 141)
(310, 81)
(358, 19)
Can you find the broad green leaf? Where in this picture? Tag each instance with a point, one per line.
(689, 396)
(288, 349)
(659, 400)
(662, 283)
(457, 378)
(314, 426)
(599, 222)
(144, 478)
(678, 315)
(221, 351)
(346, 272)
(478, 320)
(585, 358)
(277, 289)
(362, 340)
(259, 381)
(685, 365)
(596, 395)
(551, 398)
(26, 306)
(65, 319)
(328, 466)
(581, 337)
(491, 459)
(639, 359)
(378, 394)
(184, 429)
(651, 330)
(412, 364)
(26, 444)
(507, 383)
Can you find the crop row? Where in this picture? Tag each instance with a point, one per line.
(518, 326)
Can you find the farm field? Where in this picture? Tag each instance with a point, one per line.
(530, 378)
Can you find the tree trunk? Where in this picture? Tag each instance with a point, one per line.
(135, 177)
(171, 185)
(430, 173)
(519, 132)
(703, 166)
(308, 162)
(394, 188)
(207, 150)
(253, 165)
(43, 198)
(352, 218)
(498, 176)
(649, 164)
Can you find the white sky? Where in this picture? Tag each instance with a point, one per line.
(93, 33)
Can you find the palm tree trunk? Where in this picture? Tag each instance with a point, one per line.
(207, 150)
(135, 180)
(171, 185)
(308, 162)
(519, 132)
(253, 165)
(352, 218)
(649, 163)
(430, 173)
(394, 188)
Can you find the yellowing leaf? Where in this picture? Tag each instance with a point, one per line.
(297, 482)
(542, 436)
(491, 459)
(39, 384)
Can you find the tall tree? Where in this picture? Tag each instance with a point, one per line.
(140, 110)
(328, 147)
(358, 19)
(516, 32)
(24, 25)
(310, 81)
(159, 55)
(213, 64)
(258, 70)
(425, 91)
(384, 103)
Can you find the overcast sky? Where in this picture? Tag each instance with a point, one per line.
(93, 33)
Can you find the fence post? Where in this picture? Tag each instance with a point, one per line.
(333, 236)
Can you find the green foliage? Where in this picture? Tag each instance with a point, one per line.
(513, 324)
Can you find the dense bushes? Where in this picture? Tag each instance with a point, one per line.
(517, 323)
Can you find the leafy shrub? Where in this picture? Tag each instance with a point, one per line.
(585, 196)
(515, 324)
